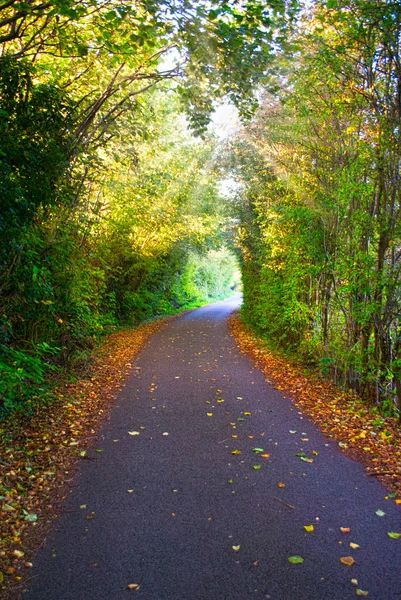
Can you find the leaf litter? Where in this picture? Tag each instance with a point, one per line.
(360, 432)
(40, 452)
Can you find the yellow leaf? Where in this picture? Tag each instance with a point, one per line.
(236, 452)
(133, 586)
(281, 484)
(309, 528)
(234, 436)
(398, 501)
(354, 546)
(209, 414)
(347, 560)
(265, 455)
(236, 548)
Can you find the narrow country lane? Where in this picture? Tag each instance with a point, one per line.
(167, 505)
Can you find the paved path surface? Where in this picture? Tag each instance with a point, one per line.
(192, 500)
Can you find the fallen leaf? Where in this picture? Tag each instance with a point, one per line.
(394, 535)
(236, 452)
(354, 546)
(265, 455)
(209, 414)
(130, 491)
(247, 413)
(133, 586)
(165, 433)
(362, 592)
(292, 431)
(347, 560)
(257, 450)
(296, 560)
(309, 528)
(354, 581)
(236, 548)
(18, 553)
(234, 437)
(345, 529)
(380, 512)
(134, 433)
(257, 467)
(32, 518)
(398, 501)
(281, 484)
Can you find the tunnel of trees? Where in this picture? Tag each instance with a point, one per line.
(111, 204)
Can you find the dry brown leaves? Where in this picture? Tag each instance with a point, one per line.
(373, 440)
(39, 456)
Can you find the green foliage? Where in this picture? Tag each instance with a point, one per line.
(320, 212)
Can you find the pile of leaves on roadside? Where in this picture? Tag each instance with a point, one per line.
(361, 433)
(38, 455)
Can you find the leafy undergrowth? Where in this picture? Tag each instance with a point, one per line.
(361, 434)
(39, 455)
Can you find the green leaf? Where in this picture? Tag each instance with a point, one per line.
(31, 518)
(257, 467)
(380, 513)
(394, 535)
(296, 560)
(257, 450)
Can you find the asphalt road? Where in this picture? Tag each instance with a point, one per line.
(167, 506)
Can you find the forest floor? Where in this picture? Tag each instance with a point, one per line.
(362, 433)
(39, 456)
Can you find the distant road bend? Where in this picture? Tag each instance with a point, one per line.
(174, 507)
